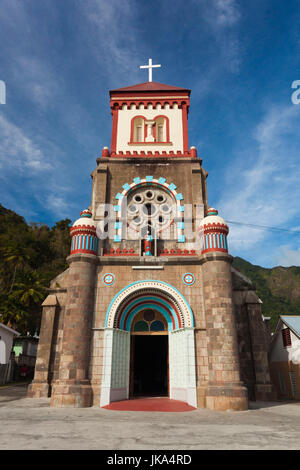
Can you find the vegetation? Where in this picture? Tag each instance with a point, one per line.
(278, 288)
(30, 256)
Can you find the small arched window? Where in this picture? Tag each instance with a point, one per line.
(161, 130)
(138, 130)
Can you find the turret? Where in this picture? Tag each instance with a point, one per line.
(215, 232)
(83, 233)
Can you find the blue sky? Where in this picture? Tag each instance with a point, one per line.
(59, 58)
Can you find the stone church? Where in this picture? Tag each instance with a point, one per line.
(150, 304)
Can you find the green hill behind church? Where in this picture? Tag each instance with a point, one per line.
(278, 288)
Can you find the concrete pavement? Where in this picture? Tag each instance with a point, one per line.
(28, 423)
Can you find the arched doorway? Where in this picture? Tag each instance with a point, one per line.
(149, 355)
(125, 313)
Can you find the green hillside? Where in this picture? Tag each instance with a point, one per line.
(30, 256)
(278, 288)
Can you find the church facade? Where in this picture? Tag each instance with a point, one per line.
(150, 304)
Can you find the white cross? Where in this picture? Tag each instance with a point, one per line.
(150, 67)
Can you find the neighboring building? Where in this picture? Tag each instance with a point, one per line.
(285, 357)
(155, 308)
(25, 350)
(6, 341)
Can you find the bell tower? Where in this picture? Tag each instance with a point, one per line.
(140, 173)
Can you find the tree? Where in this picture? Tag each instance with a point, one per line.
(15, 254)
(29, 290)
(13, 314)
(28, 293)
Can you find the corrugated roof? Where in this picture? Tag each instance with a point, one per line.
(293, 322)
(150, 86)
(10, 330)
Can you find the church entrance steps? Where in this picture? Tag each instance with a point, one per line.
(161, 404)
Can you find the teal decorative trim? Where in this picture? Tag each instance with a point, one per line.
(147, 302)
(149, 178)
(162, 180)
(117, 208)
(117, 238)
(136, 284)
(180, 225)
(181, 239)
(180, 208)
(172, 186)
(137, 180)
(126, 186)
(119, 196)
(118, 225)
(179, 197)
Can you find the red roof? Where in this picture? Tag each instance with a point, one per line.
(150, 86)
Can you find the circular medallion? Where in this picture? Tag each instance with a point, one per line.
(108, 279)
(188, 279)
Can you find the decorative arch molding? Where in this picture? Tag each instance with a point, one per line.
(141, 294)
(161, 183)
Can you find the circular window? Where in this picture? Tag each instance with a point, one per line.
(137, 220)
(166, 208)
(138, 198)
(133, 209)
(160, 198)
(149, 315)
(149, 194)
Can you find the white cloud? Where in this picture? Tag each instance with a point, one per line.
(263, 185)
(18, 150)
(222, 18)
(227, 12)
(115, 35)
(38, 81)
(57, 205)
(288, 257)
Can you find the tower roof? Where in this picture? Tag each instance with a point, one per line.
(150, 86)
(212, 219)
(85, 220)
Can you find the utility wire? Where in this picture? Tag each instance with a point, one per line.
(264, 227)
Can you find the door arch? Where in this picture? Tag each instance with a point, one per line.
(121, 312)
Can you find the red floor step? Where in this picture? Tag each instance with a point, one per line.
(150, 404)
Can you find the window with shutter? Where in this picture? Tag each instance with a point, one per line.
(286, 337)
(139, 134)
(160, 133)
